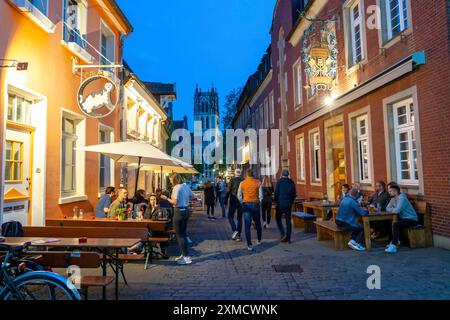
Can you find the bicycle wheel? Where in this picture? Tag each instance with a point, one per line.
(41, 285)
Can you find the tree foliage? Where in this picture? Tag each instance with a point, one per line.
(230, 107)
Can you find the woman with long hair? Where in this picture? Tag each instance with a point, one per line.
(181, 195)
(209, 200)
(266, 204)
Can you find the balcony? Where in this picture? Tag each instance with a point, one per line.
(76, 43)
(34, 14)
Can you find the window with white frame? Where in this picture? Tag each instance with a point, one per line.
(356, 33)
(75, 22)
(105, 167)
(394, 18)
(19, 109)
(266, 113)
(68, 166)
(315, 156)
(300, 148)
(297, 69)
(272, 109)
(405, 142)
(107, 43)
(362, 137)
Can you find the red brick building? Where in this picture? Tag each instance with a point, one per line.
(386, 115)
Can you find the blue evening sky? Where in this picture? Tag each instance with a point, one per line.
(197, 41)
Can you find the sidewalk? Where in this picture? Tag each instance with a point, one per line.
(223, 269)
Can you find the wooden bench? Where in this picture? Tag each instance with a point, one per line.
(328, 230)
(305, 221)
(84, 260)
(421, 236)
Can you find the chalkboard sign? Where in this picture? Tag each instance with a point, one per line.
(200, 204)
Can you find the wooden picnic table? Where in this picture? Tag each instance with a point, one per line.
(154, 225)
(104, 245)
(319, 206)
(376, 216)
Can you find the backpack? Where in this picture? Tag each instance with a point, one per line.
(12, 229)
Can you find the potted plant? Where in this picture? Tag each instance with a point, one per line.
(121, 214)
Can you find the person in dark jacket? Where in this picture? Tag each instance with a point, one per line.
(235, 205)
(285, 194)
(380, 200)
(346, 218)
(139, 197)
(209, 200)
(266, 205)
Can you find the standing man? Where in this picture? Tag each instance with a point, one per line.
(407, 216)
(285, 194)
(250, 194)
(235, 205)
(102, 208)
(222, 189)
(119, 203)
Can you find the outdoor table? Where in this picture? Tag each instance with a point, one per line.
(376, 216)
(154, 225)
(320, 206)
(103, 245)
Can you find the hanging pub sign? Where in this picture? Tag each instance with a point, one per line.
(320, 57)
(98, 96)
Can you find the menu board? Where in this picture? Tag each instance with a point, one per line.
(198, 205)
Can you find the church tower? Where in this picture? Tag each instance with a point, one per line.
(206, 111)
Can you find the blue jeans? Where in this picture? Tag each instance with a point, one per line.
(222, 203)
(251, 211)
(235, 205)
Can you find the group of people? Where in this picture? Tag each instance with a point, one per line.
(173, 206)
(249, 198)
(386, 198)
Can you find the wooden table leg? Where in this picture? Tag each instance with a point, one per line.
(104, 267)
(366, 223)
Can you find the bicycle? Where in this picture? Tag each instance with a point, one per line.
(22, 280)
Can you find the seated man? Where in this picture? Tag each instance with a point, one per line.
(407, 216)
(380, 199)
(120, 204)
(346, 218)
(102, 208)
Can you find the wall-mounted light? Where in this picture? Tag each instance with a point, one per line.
(11, 63)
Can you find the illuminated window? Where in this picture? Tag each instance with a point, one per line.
(300, 149)
(315, 156)
(362, 133)
(14, 161)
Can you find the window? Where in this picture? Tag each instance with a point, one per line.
(356, 26)
(315, 156)
(107, 41)
(272, 109)
(362, 136)
(397, 17)
(300, 148)
(105, 162)
(405, 142)
(14, 161)
(297, 84)
(266, 113)
(41, 5)
(19, 109)
(69, 139)
(75, 22)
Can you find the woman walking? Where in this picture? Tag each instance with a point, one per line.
(181, 195)
(209, 200)
(266, 204)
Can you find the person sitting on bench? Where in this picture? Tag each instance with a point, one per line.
(407, 216)
(346, 219)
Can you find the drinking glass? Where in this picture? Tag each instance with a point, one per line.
(75, 213)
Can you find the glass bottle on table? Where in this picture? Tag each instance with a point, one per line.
(80, 216)
(75, 213)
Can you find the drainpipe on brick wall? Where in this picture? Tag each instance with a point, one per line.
(281, 80)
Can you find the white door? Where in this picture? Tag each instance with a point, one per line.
(18, 155)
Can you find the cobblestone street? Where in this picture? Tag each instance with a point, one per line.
(224, 270)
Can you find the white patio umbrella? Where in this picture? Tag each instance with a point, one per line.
(133, 152)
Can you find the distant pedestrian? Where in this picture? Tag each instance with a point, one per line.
(285, 195)
(235, 205)
(209, 200)
(250, 195)
(266, 205)
(222, 189)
